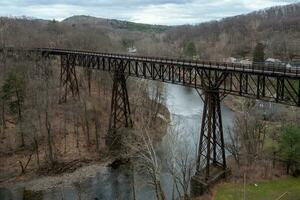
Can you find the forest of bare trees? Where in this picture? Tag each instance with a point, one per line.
(237, 36)
(41, 133)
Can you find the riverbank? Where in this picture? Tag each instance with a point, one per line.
(34, 182)
(82, 168)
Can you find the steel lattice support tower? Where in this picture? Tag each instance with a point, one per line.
(68, 77)
(211, 161)
(120, 109)
(211, 147)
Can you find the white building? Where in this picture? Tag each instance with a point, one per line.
(245, 62)
(272, 60)
(132, 50)
(231, 60)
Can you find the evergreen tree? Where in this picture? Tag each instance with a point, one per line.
(189, 49)
(259, 53)
(290, 147)
(13, 94)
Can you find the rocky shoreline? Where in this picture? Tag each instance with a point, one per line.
(39, 183)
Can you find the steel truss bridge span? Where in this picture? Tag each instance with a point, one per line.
(269, 83)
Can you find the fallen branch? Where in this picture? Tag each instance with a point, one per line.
(23, 168)
(280, 197)
(66, 167)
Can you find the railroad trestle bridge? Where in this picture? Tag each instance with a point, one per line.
(278, 84)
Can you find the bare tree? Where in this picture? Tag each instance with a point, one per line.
(249, 134)
(97, 127)
(234, 144)
(2, 118)
(49, 138)
(157, 100)
(86, 124)
(47, 103)
(180, 159)
(76, 132)
(146, 159)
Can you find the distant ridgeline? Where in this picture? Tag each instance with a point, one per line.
(278, 28)
(115, 24)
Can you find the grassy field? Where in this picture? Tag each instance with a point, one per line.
(269, 190)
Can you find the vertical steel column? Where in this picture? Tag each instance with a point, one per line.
(68, 77)
(211, 151)
(120, 109)
(211, 147)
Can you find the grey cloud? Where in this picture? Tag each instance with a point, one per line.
(169, 12)
(93, 2)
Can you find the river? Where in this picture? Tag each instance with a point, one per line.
(185, 107)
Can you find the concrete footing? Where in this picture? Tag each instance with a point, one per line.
(200, 185)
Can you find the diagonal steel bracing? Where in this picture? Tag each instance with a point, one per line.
(211, 145)
(273, 83)
(120, 109)
(68, 77)
(211, 152)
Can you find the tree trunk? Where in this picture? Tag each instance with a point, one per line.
(87, 126)
(49, 139)
(3, 117)
(76, 131)
(36, 150)
(274, 159)
(97, 133)
(20, 118)
(99, 84)
(23, 168)
(158, 190)
(162, 195)
(40, 123)
(288, 166)
(133, 181)
(65, 136)
(89, 74)
(22, 135)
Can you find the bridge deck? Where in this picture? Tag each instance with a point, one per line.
(259, 68)
(265, 82)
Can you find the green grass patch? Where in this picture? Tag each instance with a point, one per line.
(270, 143)
(268, 190)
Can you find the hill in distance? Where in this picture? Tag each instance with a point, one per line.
(114, 24)
(276, 27)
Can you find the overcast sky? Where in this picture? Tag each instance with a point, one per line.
(167, 12)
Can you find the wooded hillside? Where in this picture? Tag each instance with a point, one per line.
(278, 28)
